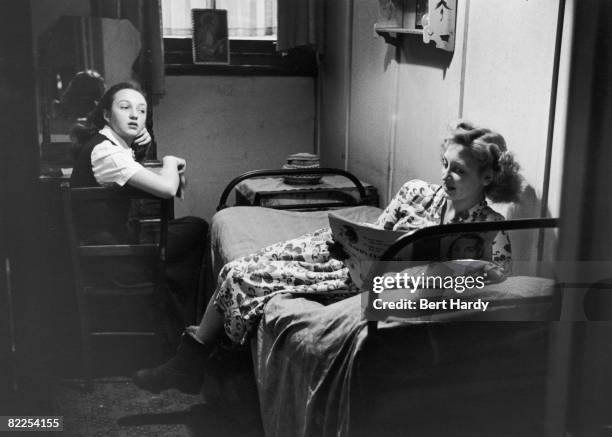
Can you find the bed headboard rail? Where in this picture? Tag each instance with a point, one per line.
(286, 172)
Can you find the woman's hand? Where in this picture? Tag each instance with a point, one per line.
(175, 162)
(143, 138)
(336, 250)
(141, 144)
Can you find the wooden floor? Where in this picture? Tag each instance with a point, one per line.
(116, 407)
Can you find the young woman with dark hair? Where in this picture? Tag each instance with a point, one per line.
(104, 157)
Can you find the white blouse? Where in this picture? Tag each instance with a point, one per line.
(112, 161)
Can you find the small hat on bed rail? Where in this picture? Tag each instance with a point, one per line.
(303, 160)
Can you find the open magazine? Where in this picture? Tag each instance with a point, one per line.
(365, 245)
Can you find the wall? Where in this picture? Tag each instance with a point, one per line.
(226, 125)
(401, 102)
(524, 57)
(334, 74)
(373, 100)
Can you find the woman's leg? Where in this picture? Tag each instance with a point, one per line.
(184, 371)
(211, 326)
(238, 284)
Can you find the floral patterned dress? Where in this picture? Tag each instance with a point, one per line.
(303, 265)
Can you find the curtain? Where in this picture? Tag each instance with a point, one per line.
(176, 16)
(145, 15)
(300, 23)
(250, 18)
(246, 18)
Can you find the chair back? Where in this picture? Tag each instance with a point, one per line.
(97, 262)
(157, 215)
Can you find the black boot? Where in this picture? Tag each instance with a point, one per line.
(184, 371)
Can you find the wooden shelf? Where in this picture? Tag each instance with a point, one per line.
(411, 17)
(393, 35)
(400, 30)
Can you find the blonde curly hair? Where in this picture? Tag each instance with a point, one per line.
(491, 153)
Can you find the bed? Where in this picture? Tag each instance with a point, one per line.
(325, 370)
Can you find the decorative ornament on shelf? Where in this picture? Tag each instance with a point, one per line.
(439, 24)
(302, 160)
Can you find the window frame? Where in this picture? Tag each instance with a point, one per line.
(249, 57)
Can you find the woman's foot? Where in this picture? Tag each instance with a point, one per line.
(184, 371)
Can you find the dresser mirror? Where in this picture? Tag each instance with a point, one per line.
(77, 57)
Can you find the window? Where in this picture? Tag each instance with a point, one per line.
(247, 19)
(252, 26)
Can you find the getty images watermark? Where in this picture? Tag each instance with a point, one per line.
(543, 291)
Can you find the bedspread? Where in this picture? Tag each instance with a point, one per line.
(305, 355)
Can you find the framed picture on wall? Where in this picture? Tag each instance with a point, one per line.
(210, 37)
